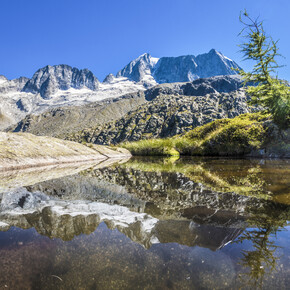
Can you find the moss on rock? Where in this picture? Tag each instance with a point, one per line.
(248, 134)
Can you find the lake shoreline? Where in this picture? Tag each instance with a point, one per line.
(23, 150)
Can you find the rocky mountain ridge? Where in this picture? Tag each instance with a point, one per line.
(62, 85)
(50, 79)
(178, 69)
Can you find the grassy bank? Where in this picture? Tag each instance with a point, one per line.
(245, 134)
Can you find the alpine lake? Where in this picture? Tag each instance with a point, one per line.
(147, 223)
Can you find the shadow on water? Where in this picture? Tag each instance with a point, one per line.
(148, 223)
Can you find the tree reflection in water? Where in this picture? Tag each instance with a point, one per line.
(260, 262)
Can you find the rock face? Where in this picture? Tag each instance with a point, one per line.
(189, 68)
(109, 79)
(13, 85)
(3, 79)
(173, 109)
(12, 106)
(179, 69)
(200, 87)
(50, 79)
(140, 69)
(26, 150)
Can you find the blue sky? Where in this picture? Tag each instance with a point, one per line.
(104, 36)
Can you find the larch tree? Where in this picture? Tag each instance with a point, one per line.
(264, 87)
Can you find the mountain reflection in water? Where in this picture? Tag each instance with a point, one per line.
(155, 223)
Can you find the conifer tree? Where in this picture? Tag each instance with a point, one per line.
(265, 88)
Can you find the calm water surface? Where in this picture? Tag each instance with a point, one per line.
(147, 224)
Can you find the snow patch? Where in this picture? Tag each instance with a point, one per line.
(2, 81)
(154, 60)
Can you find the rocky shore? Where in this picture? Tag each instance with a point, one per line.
(23, 150)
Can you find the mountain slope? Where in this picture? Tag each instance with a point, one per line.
(166, 116)
(170, 111)
(68, 120)
(22, 96)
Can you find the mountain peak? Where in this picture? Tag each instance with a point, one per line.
(50, 79)
(218, 53)
(138, 68)
(213, 51)
(178, 69)
(144, 55)
(3, 79)
(109, 79)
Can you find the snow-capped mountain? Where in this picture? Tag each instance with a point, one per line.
(140, 70)
(188, 68)
(148, 69)
(3, 79)
(15, 85)
(50, 79)
(63, 85)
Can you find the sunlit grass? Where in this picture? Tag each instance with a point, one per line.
(221, 137)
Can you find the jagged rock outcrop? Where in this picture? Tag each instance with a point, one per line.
(12, 85)
(11, 104)
(50, 79)
(54, 87)
(178, 69)
(140, 69)
(3, 79)
(189, 68)
(166, 116)
(109, 79)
